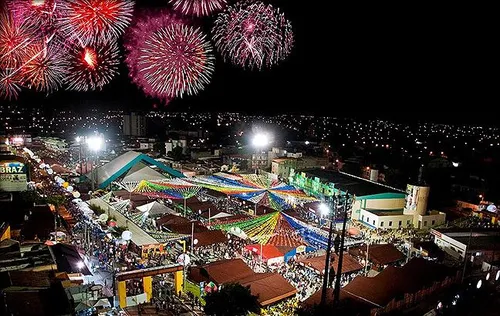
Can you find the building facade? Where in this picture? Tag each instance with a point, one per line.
(134, 124)
(375, 205)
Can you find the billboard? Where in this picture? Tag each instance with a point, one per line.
(13, 176)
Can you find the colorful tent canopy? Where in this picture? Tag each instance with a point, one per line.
(271, 229)
(257, 189)
(169, 189)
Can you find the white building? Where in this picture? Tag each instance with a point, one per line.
(414, 213)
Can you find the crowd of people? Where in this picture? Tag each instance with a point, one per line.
(220, 251)
(286, 307)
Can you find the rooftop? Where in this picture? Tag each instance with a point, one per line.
(270, 287)
(352, 184)
(395, 282)
(385, 212)
(481, 239)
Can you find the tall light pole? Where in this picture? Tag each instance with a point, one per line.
(79, 140)
(260, 141)
(347, 202)
(95, 143)
(327, 210)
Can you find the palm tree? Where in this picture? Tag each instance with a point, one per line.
(233, 299)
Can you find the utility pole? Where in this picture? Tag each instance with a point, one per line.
(328, 250)
(336, 292)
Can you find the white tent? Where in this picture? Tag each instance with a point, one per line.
(220, 215)
(140, 172)
(154, 208)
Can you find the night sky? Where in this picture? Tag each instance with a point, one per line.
(399, 63)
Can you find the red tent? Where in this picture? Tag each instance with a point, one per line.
(268, 251)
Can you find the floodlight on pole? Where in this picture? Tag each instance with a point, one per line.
(260, 140)
(95, 143)
(324, 209)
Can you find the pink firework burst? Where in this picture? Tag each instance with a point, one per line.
(36, 13)
(95, 21)
(168, 58)
(47, 68)
(198, 7)
(15, 41)
(10, 84)
(93, 66)
(253, 35)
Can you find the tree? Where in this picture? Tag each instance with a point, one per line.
(232, 300)
(56, 200)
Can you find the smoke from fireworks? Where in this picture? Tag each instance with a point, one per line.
(198, 7)
(92, 67)
(47, 70)
(168, 58)
(96, 21)
(253, 35)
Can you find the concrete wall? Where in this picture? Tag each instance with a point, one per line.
(384, 204)
(452, 247)
(383, 221)
(426, 221)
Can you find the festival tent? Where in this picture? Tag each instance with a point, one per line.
(269, 253)
(141, 171)
(122, 164)
(154, 209)
(266, 229)
(258, 189)
(168, 189)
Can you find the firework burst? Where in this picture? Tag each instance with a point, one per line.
(10, 84)
(96, 21)
(47, 70)
(93, 66)
(253, 35)
(15, 41)
(198, 7)
(168, 58)
(40, 14)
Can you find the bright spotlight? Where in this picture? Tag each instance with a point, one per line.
(479, 284)
(325, 210)
(80, 265)
(497, 276)
(488, 276)
(260, 140)
(95, 143)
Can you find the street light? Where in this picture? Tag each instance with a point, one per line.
(80, 265)
(95, 143)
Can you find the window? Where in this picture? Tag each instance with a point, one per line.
(433, 222)
(381, 224)
(367, 219)
(390, 223)
(400, 223)
(362, 218)
(425, 223)
(408, 222)
(373, 222)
